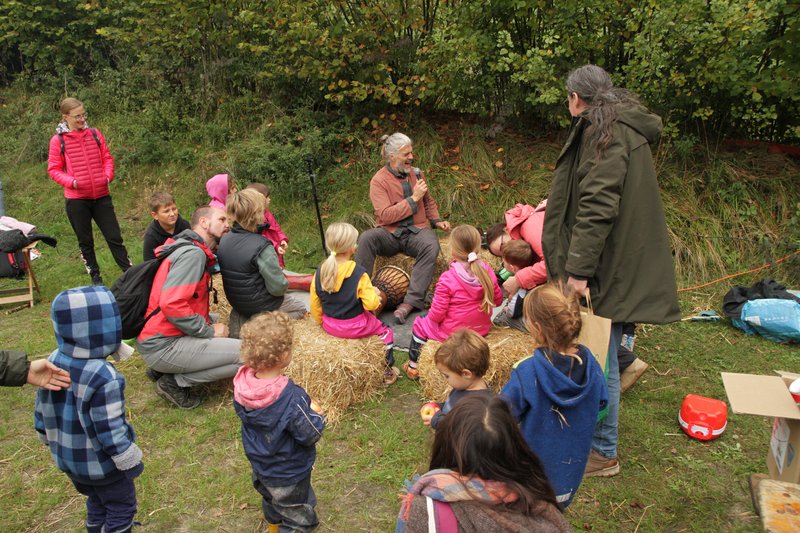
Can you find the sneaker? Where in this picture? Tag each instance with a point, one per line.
(97, 279)
(153, 375)
(411, 373)
(390, 375)
(402, 312)
(632, 374)
(599, 466)
(168, 388)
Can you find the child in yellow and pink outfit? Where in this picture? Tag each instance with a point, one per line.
(464, 297)
(342, 296)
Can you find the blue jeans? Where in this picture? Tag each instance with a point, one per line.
(111, 506)
(604, 440)
(291, 506)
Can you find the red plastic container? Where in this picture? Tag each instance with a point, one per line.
(703, 418)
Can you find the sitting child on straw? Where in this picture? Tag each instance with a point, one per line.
(464, 297)
(279, 426)
(516, 254)
(463, 360)
(342, 296)
(557, 392)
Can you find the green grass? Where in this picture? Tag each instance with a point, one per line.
(196, 476)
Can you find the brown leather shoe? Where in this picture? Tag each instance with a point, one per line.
(402, 312)
(632, 374)
(599, 466)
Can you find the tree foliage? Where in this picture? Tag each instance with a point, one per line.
(728, 65)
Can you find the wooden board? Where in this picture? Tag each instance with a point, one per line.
(780, 506)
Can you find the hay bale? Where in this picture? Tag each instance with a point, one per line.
(406, 262)
(506, 347)
(223, 306)
(335, 372)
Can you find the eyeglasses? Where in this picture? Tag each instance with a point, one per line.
(84, 116)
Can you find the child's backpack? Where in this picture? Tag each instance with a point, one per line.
(132, 291)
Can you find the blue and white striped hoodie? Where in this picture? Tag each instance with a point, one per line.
(84, 425)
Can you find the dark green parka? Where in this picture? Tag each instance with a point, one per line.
(13, 368)
(605, 221)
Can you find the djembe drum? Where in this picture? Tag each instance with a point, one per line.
(392, 282)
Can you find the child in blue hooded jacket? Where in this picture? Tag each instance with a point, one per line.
(279, 427)
(84, 425)
(557, 392)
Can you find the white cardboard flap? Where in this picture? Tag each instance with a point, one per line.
(759, 395)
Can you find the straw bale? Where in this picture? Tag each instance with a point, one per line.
(506, 347)
(406, 262)
(336, 372)
(222, 307)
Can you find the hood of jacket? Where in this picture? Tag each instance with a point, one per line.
(642, 120)
(465, 276)
(255, 393)
(217, 188)
(87, 323)
(272, 420)
(562, 390)
(518, 214)
(190, 236)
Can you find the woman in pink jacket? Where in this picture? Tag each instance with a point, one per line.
(80, 162)
(464, 297)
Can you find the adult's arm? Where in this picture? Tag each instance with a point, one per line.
(389, 208)
(178, 290)
(56, 165)
(270, 270)
(599, 194)
(105, 154)
(13, 368)
(532, 276)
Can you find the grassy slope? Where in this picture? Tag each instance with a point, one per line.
(196, 476)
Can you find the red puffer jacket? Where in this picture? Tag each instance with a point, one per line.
(85, 169)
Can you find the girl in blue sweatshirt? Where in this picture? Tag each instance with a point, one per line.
(557, 392)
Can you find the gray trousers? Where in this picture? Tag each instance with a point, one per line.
(424, 246)
(291, 306)
(194, 360)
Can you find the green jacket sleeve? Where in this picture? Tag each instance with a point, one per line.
(13, 368)
(600, 186)
(270, 270)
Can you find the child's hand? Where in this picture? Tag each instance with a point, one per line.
(282, 247)
(427, 412)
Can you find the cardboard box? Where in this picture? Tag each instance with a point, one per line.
(769, 396)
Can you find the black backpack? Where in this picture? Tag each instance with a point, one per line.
(132, 291)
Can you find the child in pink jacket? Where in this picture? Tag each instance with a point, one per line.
(464, 297)
(219, 187)
(272, 230)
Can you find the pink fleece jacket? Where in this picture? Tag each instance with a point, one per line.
(526, 222)
(456, 304)
(85, 169)
(217, 188)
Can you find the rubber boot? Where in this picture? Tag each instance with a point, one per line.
(300, 283)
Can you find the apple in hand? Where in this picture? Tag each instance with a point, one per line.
(427, 411)
(315, 406)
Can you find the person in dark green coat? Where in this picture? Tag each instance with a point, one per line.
(605, 231)
(16, 370)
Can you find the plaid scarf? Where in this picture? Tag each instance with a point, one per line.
(447, 485)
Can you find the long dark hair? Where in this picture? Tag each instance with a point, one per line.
(594, 86)
(480, 437)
